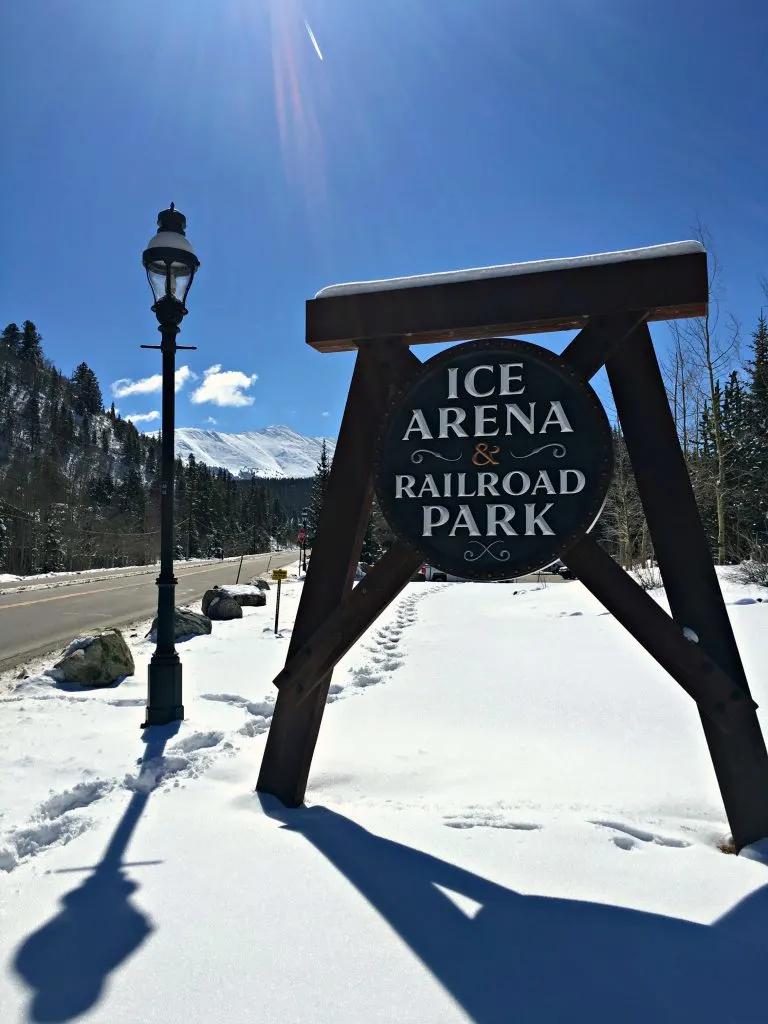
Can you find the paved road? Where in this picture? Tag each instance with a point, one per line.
(35, 621)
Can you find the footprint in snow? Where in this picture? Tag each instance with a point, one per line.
(484, 820)
(630, 836)
(54, 823)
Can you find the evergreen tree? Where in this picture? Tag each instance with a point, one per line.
(10, 340)
(370, 552)
(278, 525)
(131, 445)
(382, 531)
(30, 349)
(132, 500)
(31, 418)
(52, 549)
(317, 497)
(755, 455)
(86, 393)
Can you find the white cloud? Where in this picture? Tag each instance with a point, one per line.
(212, 420)
(142, 417)
(325, 414)
(224, 387)
(149, 385)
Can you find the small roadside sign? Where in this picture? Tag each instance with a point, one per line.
(278, 575)
(301, 536)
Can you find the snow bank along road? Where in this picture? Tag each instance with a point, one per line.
(36, 620)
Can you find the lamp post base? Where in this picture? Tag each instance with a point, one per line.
(165, 690)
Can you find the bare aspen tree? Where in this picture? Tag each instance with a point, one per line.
(709, 351)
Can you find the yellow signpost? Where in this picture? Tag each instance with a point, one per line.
(278, 575)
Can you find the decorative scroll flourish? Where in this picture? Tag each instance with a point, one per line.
(559, 451)
(486, 549)
(417, 457)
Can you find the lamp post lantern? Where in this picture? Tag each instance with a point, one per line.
(170, 263)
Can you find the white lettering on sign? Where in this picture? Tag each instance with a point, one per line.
(497, 517)
(489, 484)
(471, 386)
(534, 519)
(434, 516)
(506, 381)
(513, 455)
(556, 413)
(450, 418)
(487, 421)
(418, 423)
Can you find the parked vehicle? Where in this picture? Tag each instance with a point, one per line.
(558, 568)
(553, 568)
(433, 575)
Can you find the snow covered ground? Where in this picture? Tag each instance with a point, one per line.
(511, 817)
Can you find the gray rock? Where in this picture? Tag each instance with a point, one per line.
(98, 659)
(261, 584)
(208, 596)
(186, 623)
(222, 608)
(246, 596)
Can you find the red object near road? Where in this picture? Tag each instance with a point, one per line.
(302, 536)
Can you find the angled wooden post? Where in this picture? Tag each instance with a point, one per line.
(690, 581)
(294, 728)
(718, 697)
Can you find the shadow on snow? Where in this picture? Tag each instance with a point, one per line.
(67, 962)
(535, 958)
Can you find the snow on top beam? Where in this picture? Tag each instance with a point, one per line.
(511, 269)
(667, 281)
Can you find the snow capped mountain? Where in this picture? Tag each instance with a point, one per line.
(271, 452)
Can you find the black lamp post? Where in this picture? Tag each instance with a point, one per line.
(170, 263)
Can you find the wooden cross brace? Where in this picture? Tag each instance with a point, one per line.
(332, 616)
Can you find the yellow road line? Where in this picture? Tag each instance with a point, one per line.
(61, 597)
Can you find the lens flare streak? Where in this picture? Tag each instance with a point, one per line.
(314, 41)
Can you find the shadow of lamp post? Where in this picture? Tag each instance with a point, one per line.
(170, 263)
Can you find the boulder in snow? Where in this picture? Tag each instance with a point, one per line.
(98, 659)
(261, 584)
(217, 605)
(245, 595)
(186, 624)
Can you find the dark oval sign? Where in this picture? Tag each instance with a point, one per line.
(494, 459)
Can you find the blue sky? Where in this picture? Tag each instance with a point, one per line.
(434, 135)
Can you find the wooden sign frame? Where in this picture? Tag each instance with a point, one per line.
(612, 302)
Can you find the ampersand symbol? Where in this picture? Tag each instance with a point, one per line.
(484, 455)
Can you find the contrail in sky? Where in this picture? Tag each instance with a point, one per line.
(318, 51)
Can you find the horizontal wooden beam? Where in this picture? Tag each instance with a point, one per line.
(716, 694)
(314, 659)
(667, 287)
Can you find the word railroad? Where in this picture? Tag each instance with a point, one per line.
(494, 460)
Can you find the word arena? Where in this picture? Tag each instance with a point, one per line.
(494, 460)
